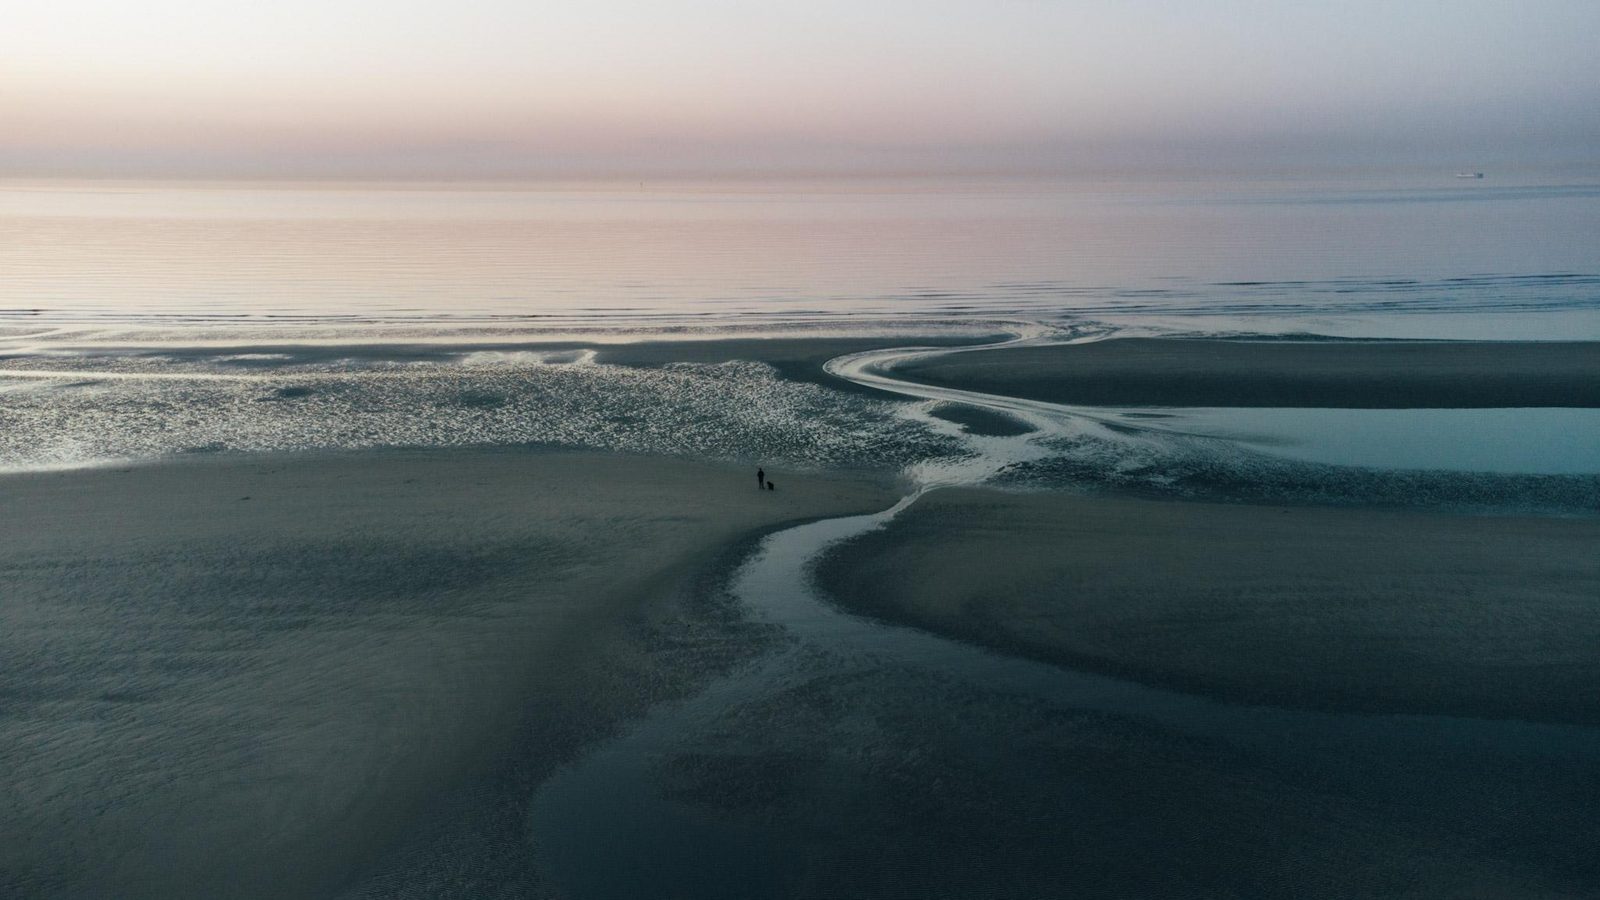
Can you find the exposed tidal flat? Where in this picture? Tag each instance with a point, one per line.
(78, 399)
(256, 676)
(472, 670)
(1374, 611)
(1285, 373)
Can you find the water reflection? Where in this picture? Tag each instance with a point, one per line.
(1535, 441)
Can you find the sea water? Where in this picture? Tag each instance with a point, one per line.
(1321, 249)
(110, 292)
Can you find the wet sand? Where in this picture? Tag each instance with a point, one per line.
(796, 358)
(873, 781)
(884, 762)
(1335, 609)
(346, 674)
(277, 676)
(1350, 374)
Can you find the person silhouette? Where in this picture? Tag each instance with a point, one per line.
(761, 479)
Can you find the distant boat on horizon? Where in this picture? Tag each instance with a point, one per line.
(1469, 174)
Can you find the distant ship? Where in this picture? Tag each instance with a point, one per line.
(1469, 174)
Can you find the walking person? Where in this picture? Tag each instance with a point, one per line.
(761, 479)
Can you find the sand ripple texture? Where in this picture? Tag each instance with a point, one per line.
(1196, 467)
(59, 408)
(64, 412)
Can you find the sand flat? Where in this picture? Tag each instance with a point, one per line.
(1352, 374)
(216, 666)
(1341, 609)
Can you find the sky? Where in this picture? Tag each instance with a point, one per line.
(488, 88)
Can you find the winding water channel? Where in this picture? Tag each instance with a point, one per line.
(604, 827)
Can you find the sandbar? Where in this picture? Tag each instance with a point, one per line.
(1321, 608)
(260, 676)
(1347, 374)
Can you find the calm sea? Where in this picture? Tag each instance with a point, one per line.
(1421, 254)
(111, 295)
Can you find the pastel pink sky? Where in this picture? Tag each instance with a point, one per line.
(494, 87)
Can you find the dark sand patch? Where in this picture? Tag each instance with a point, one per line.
(1336, 609)
(356, 676)
(1348, 374)
(891, 783)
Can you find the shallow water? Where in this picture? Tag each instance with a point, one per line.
(112, 410)
(75, 406)
(1547, 441)
(146, 319)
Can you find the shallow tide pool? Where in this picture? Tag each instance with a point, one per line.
(1533, 441)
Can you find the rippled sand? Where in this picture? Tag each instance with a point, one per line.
(347, 673)
(70, 404)
(1365, 610)
(265, 676)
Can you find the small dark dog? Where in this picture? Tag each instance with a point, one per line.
(770, 487)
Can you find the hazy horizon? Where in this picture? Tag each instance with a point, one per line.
(494, 89)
